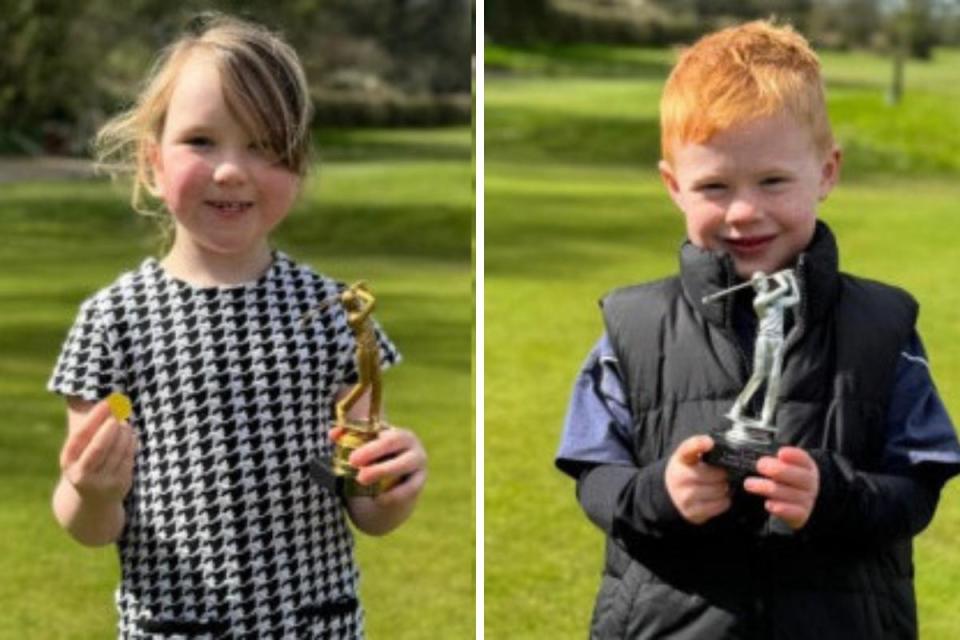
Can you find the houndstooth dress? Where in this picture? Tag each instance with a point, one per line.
(226, 536)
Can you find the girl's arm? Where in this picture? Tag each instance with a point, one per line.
(96, 473)
(396, 453)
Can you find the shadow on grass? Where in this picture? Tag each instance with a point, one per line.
(409, 230)
(878, 85)
(561, 239)
(864, 160)
(583, 59)
(380, 146)
(440, 232)
(425, 325)
(515, 134)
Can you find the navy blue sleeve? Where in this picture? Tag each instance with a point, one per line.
(597, 424)
(921, 454)
(621, 498)
(920, 434)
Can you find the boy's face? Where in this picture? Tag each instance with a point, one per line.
(752, 191)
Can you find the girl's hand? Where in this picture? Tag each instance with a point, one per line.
(790, 483)
(698, 490)
(396, 455)
(98, 457)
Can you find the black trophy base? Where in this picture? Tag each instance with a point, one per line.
(739, 457)
(329, 476)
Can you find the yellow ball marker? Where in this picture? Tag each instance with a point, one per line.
(120, 406)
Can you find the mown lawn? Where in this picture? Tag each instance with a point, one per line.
(574, 207)
(392, 207)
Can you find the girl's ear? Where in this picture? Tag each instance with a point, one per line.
(154, 168)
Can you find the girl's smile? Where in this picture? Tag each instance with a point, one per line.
(229, 208)
(225, 192)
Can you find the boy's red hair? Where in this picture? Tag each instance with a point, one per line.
(738, 74)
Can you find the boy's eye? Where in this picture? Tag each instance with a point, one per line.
(773, 181)
(711, 187)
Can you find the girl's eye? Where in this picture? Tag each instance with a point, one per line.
(198, 141)
(265, 151)
(773, 181)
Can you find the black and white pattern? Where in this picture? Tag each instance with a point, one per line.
(226, 535)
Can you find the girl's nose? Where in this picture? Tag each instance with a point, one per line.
(229, 171)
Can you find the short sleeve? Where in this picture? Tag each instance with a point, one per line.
(86, 367)
(596, 429)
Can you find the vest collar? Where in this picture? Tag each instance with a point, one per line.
(703, 272)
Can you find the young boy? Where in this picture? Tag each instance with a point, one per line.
(817, 543)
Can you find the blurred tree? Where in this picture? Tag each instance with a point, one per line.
(842, 24)
(517, 22)
(67, 64)
(912, 34)
(41, 90)
(946, 20)
(921, 35)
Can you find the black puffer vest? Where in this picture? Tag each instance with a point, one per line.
(744, 575)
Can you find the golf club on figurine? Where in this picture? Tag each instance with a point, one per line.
(738, 447)
(337, 473)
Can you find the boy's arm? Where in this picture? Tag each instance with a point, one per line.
(96, 463)
(619, 498)
(864, 507)
(614, 492)
(922, 452)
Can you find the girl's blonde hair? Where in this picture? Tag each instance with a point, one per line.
(738, 74)
(263, 85)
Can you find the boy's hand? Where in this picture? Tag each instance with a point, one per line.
(98, 458)
(698, 490)
(395, 454)
(790, 483)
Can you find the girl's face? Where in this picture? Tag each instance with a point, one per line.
(752, 191)
(225, 195)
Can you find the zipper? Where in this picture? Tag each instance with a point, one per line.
(799, 314)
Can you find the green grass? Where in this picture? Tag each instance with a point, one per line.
(395, 208)
(573, 207)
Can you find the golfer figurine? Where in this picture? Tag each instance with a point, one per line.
(752, 437)
(359, 304)
(337, 474)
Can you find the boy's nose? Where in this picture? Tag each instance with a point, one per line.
(741, 210)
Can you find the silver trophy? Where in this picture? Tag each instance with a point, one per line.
(738, 447)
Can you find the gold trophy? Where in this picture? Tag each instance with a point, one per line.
(338, 473)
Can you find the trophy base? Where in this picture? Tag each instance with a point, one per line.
(738, 454)
(337, 474)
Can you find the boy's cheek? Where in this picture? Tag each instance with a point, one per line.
(701, 229)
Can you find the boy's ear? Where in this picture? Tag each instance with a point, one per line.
(669, 179)
(830, 171)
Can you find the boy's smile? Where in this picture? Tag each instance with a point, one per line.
(752, 191)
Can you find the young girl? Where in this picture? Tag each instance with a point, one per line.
(205, 488)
